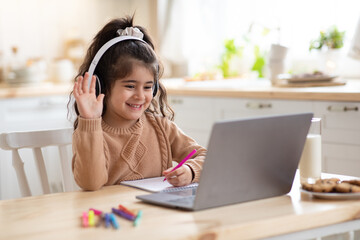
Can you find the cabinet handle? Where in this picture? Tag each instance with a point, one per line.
(254, 105)
(342, 109)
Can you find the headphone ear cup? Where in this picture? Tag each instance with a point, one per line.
(155, 87)
(97, 86)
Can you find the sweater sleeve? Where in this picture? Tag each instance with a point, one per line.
(89, 163)
(182, 145)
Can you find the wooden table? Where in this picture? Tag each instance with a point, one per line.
(58, 216)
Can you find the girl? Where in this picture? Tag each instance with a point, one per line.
(125, 132)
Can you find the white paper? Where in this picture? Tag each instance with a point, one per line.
(155, 184)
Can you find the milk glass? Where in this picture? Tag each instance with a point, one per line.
(276, 61)
(310, 162)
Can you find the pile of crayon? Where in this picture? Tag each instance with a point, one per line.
(97, 218)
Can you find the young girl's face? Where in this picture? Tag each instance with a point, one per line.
(129, 98)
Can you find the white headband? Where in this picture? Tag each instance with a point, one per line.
(129, 33)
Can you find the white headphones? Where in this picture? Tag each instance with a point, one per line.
(101, 52)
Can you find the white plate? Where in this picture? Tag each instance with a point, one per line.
(309, 78)
(333, 196)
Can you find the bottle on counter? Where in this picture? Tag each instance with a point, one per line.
(310, 162)
(14, 73)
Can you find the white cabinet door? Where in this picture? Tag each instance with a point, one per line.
(340, 123)
(194, 115)
(21, 114)
(341, 159)
(231, 108)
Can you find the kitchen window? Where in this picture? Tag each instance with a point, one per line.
(193, 31)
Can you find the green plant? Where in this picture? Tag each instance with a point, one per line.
(231, 50)
(259, 62)
(330, 39)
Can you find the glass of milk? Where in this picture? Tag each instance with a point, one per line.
(310, 162)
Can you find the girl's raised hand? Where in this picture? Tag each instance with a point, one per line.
(88, 104)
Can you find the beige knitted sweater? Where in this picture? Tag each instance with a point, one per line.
(103, 155)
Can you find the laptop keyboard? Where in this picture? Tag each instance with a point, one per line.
(184, 200)
(176, 189)
(186, 195)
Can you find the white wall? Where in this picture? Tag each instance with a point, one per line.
(39, 28)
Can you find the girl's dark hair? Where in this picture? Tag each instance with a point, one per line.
(118, 62)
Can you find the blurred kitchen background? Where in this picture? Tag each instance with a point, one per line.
(42, 43)
(49, 38)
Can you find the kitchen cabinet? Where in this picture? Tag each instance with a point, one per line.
(340, 123)
(36, 113)
(33, 113)
(194, 115)
(340, 136)
(341, 158)
(231, 108)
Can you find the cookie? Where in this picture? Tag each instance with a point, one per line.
(319, 187)
(307, 186)
(328, 180)
(345, 187)
(333, 185)
(355, 188)
(327, 186)
(353, 181)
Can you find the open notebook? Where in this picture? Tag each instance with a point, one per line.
(155, 184)
(247, 159)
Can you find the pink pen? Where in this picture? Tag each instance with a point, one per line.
(97, 212)
(183, 161)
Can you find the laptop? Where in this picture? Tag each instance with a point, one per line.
(247, 159)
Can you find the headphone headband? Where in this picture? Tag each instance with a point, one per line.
(103, 49)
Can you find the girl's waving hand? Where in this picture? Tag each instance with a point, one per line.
(89, 105)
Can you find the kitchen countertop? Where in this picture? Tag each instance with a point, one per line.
(236, 88)
(34, 90)
(262, 88)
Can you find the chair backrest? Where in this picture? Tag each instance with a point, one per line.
(36, 140)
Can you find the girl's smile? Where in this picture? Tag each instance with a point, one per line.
(129, 98)
(135, 106)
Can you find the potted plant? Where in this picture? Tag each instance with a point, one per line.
(231, 54)
(330, 39)
(236, 60)
(328, 44)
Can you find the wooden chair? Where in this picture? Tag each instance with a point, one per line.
(36, 140)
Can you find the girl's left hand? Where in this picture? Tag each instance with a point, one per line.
(180, 177)
(88, 104)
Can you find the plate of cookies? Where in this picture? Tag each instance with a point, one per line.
(333, 188)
